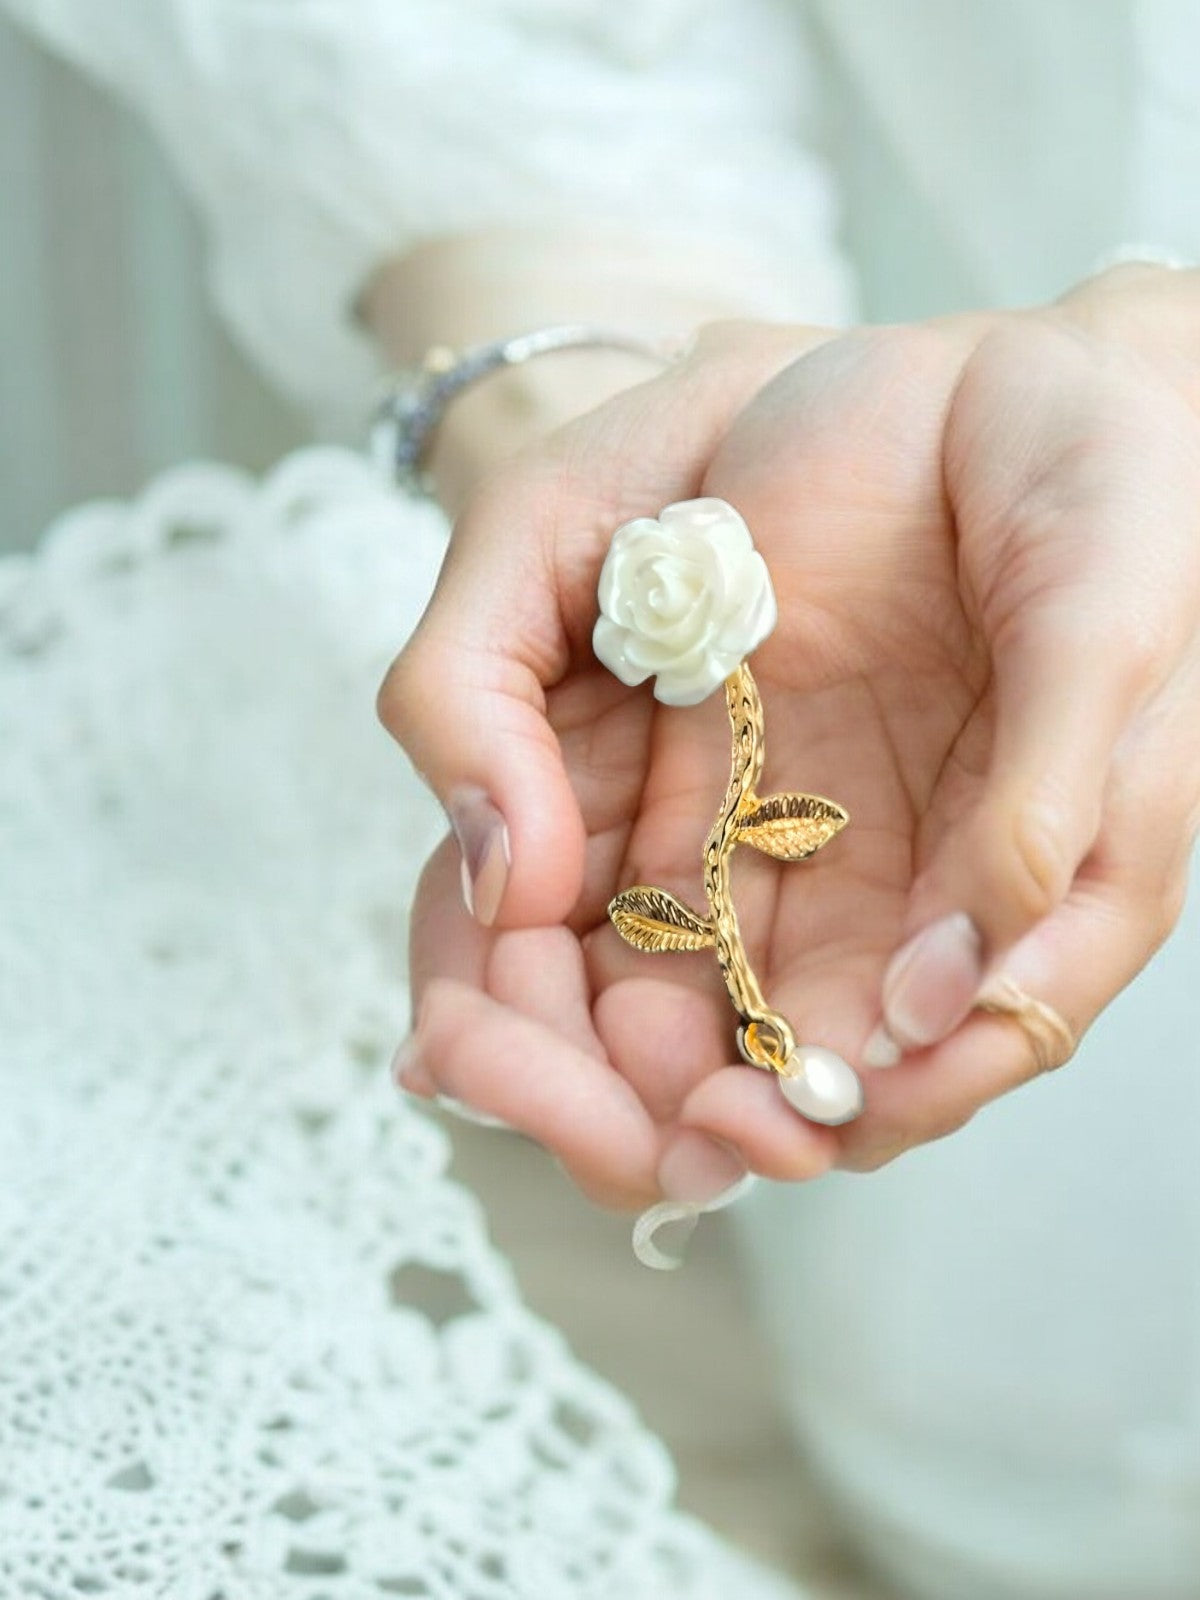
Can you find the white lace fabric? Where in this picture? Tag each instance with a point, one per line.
(253, 1343)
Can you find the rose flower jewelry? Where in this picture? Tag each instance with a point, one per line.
(685, 598)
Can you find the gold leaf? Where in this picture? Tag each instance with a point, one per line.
(790, 826)
(652, 919)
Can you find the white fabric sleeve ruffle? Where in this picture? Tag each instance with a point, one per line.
(318, 140)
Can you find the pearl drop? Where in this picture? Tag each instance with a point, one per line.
(823, 1087)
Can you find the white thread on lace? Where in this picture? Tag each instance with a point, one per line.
(253, 1343)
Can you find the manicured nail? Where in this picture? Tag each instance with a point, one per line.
(696, 1167)
(932, 981)
(409, 1074)
(466, 1113)
(881, 1050)
(486, 856)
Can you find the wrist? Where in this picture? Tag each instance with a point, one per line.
(473, 289)
(507, 411)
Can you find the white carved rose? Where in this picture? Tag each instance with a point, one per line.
(685, 597)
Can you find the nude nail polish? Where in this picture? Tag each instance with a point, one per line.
(881, 1050)
(409, 1074)
(482, 836)
(932, 981)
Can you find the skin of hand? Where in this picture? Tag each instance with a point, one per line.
(984, 535)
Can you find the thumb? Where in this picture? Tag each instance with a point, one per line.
(466, 699)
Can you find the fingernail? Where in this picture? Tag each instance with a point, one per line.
(486, 856)
(466, 1113)
(932, 981)
(409, 1074)
(881, 1050)
(697, 1167)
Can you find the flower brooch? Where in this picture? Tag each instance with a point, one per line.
(685, 598)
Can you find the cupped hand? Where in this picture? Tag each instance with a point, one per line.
(984, 535)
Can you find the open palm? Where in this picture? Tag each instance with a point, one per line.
(890, 685)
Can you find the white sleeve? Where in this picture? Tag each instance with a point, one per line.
(317, 140)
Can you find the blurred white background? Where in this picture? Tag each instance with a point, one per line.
(113, 366)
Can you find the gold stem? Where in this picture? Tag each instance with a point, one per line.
(767, 1038)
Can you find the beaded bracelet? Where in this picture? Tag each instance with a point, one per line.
(417, 397)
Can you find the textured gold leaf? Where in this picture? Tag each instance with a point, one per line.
(652, 919)
(790, 826)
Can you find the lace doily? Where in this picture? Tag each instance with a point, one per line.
(253, 1344)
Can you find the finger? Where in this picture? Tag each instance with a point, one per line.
(1120, 910)
(743, 1107)
(540, 973)
(663, 1038)
(445, 941)
(1083, 552)
(823, 993)
(516, 601)
(537, 971)
(466, 699)
(519, 1071)
(1075, 962)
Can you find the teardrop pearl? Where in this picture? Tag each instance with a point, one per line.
(822, 1087)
